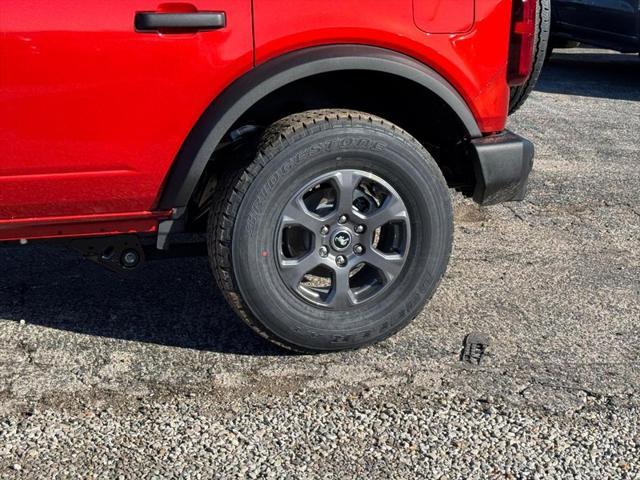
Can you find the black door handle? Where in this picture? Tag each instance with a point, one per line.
(154, 22)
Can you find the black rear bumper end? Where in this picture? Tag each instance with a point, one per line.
(502, 164)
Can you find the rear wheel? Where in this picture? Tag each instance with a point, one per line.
(519, 94)
(335, 235)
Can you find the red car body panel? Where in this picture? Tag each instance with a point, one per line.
(475, 62)
(434, 17)
(93, 113)
(72, 226)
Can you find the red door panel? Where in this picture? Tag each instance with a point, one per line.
(93, 113)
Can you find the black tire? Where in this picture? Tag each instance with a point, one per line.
(242, 228)
(520, 93)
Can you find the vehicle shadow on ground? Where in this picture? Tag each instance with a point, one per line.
(603, 75)
(171, 302)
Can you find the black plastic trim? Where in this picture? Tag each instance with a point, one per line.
(227, 108)
(502, 166)
(154, 22)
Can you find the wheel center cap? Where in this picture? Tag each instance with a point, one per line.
(341, 240)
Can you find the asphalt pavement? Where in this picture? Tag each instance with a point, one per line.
(151, 375)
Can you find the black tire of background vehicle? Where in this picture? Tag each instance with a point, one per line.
(243, 222)
(520, 93)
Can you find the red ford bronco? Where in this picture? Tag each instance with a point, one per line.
(312, 144)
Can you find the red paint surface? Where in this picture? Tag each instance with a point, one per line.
(93, 113)
(81, 225)
(443, 16)
(474, 62)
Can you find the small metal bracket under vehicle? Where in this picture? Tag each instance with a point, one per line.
(118, 253)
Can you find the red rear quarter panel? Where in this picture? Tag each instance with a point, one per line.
(474, 61)
(435, 16)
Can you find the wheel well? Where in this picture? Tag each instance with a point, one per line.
(411, 106)
(401, 101)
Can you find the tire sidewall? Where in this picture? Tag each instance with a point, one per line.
(410, 171)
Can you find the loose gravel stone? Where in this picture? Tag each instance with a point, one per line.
(372, 434)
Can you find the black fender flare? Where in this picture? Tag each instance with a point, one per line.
(243, 93)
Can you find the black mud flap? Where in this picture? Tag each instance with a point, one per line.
(502, 166)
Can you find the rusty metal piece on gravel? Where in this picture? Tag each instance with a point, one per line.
(475, 346)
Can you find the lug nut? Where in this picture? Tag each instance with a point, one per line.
(341, 260)
(342, 219)
(358, 249)
(324, 230)
(324, 251)
(360, 228)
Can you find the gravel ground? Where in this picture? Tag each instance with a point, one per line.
(151, 375)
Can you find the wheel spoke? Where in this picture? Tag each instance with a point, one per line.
(389, 264)
(341, 295)
(297, 214)
(392, 209)
(346, 182)
(293, 270)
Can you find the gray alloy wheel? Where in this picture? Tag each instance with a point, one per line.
(343, 238)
